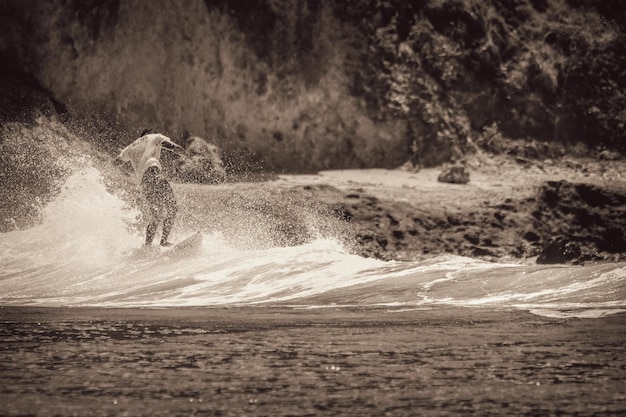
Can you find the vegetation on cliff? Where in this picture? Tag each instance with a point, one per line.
(538, 70)
(304, 85)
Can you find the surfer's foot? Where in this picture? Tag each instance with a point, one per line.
(166, 244)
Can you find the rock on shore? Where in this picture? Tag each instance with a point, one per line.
(513, 212)
(580, 222)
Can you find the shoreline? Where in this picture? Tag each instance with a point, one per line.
(565, 211)
(272, 315)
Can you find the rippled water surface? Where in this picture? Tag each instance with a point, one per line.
(285, 361)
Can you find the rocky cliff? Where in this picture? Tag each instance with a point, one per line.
(299, 85)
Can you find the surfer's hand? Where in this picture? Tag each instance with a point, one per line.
(174, 147)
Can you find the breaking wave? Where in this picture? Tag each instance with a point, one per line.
(87, 252)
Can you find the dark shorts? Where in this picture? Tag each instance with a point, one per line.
(159, 195)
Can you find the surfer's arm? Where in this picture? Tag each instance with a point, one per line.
(122, 157)
(119, 160)
(173, 147)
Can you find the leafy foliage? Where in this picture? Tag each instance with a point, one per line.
(546, 70)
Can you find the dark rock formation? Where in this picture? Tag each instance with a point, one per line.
(558, 251)
(23, 98)
(455, 175)
(203, 163)
(565, 223)
(398, 230)
(580, 222)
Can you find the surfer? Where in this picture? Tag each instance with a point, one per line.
(144, 154)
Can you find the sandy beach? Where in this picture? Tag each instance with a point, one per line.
(284, 361)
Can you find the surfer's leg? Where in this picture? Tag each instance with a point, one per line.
(155, 219)
(154, 204)
(171, 208)
(151, 231)
(167, 226)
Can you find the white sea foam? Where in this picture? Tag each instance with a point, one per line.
(87, 252)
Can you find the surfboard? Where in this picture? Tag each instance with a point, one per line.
(185, 246)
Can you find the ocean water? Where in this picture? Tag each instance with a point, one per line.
(237, 327)
(87, 252)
